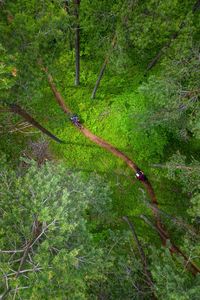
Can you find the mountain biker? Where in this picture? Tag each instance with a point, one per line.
(75, 120)
(140, 175)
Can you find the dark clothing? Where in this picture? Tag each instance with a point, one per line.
(140, 176)
(75, 120)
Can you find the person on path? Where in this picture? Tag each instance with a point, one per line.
(75, 120)
(140, 175)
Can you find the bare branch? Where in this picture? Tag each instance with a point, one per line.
(22, 272)
(142, 254)
(173, 248)
(11, 251)
(171, 39)
(175, 220)
(179, 167)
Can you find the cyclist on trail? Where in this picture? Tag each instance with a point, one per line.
(75, 120)
(140, 175)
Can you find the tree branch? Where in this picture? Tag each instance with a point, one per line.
(142, 254)
(179, 167)
(173, 36)
(175, 220)
(173, 248)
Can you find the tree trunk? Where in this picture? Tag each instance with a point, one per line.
(162, 50)
(173, 248)
(77, 42)
(16, 109)
(103, 68)
(176, 221)
(142, 255)
(99, 78)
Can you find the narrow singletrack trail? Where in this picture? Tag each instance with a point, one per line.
(164, 236)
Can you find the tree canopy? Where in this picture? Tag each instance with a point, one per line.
(100, 137)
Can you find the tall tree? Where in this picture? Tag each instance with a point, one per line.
(16, 109)
(142, 256)
(77, 41)
(103, 68)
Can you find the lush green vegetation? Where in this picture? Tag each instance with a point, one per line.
(62, 233)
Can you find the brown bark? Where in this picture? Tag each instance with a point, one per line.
(102, 143)
(16, 109)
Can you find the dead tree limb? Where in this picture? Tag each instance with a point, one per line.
(173, 36)
(16, 109)
(175, 220)
(179, 167)
(103, 68)
(24, 271)
(104, 144)
(37, 233)
(142, 254)
(22, 261)
(173, 248)
(154, 61)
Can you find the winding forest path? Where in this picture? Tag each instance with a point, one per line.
(104, 144)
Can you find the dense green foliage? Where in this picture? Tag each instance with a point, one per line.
(77, 193)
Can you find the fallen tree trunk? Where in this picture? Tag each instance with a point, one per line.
(16, 109)
(102, 143)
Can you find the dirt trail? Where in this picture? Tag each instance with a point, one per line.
(102, 143)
